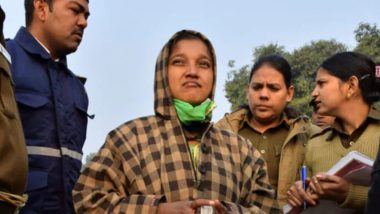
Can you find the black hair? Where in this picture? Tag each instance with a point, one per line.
(29, 10)
(347, 64)
(277, 62)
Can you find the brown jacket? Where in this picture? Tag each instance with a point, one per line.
(13, 155)
(293, 150)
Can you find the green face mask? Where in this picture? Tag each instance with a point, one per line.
(188, 113)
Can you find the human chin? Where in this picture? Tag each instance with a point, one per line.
(263, 116)
(194, 99)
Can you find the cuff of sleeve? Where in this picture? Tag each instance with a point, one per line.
(231, 208)
(356, 197)
(154, 202)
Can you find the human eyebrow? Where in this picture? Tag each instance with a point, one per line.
(82, 9)
(320, 81)
(174, 56)
(274, 86)
(256, 85)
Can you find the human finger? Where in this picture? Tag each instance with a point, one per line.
(220, 208)
(316, 186)
(201, 202)
(304, 196)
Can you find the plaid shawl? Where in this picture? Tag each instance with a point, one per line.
(147, 161)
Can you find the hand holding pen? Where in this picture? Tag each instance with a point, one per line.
(304, 185)
(299, 194)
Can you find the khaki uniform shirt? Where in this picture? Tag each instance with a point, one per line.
(13, 155)
(269, 145)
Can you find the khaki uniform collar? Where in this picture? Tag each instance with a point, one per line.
(283, 122)
(336, 127)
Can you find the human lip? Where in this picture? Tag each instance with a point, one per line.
(262, 107)
(191, 84)
(78, 33)
(317, 104)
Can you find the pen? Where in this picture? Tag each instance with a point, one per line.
(303, 179)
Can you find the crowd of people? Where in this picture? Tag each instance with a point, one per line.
(178, 160)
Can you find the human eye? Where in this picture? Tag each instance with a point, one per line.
(274, 87)
(256, 86)
(321, 83)
(177, 61)
(75, 9)
(78, 9)
(204, 63)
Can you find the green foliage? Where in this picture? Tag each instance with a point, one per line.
(304, 61)
(377, 105)
(236, 85)
(368, 38)
(269, 49)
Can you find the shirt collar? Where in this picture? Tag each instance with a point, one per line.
(283, 122)
(32, 45)
(373, 115)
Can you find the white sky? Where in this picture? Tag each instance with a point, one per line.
(123, 39)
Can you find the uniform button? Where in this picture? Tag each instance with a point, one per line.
(352, 143)
(264, 137)
(204, 148)
(262, 151)
(202, 169)
(197, 183)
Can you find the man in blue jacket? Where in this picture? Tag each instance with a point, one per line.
(52, 101)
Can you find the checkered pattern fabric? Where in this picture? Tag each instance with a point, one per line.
(147, 161)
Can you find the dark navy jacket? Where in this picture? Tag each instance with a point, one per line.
(53, 107)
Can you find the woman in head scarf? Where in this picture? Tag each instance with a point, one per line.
(176, 161)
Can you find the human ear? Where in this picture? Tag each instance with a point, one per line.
(353, 86)
(41, 9)
(290, 93)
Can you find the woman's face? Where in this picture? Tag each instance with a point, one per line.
(329, 93)
(268, 94)
(190, 71)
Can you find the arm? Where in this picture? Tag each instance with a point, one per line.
(102, 186)
(257, 195)
(338, 189)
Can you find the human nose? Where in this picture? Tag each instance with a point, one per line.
(192, 69)
(82, 21)
(264, 93)
(315, 92)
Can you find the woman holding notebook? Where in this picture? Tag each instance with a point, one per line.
(346, 87)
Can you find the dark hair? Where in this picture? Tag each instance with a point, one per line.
(190, 35)
(277, 62)
(347, 64)
(29, 10)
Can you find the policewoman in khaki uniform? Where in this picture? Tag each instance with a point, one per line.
(13, 157)
(279, 132)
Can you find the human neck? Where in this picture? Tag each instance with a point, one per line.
(40, 39)
(264, 125)
(353, 114)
